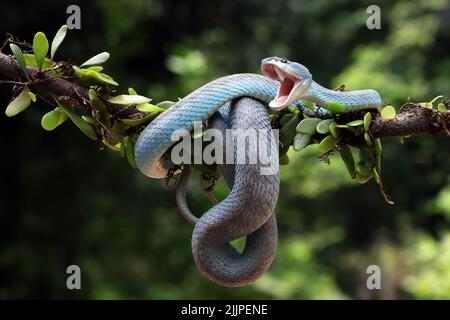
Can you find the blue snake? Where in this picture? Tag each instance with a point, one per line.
(248, 209)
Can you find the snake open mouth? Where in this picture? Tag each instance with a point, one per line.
(288, 84)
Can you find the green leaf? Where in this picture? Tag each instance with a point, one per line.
(283, 150)
(378, 163)
(285, 119)
(308, 126)
(96, 102)
(292, 109)
(364, 154)
(376, 175)
(378, 150)
(40, 48)
(309, 104)
(85, 127)
(117, 132)
(98, 59)
(132, 92)
(363, 172)
(363, 168)
(287, 132)
(89, 120)
(137, 122)
(19, 104)
(284, 160)
(19, 57)
(328, 143)
(368, 140)
(115, 147)
(378, 147)
(334, 130)
(148, 107)
(57, 40)
(388, 113)
(301, 141)
(92, 77)
(103, 74)
(165, 104)
(362, 179)
(335, 107)
(80, 73)
(96, 68)
(367, 120)
(323, 127)
(30, 60)
(123, 147)
(347, 158)
(125, 99)
(51, 120)
(355, 123)
(100, 77)
(428, 105)
(32, 96)
(130, 152)
(358, 130)
(441, 108)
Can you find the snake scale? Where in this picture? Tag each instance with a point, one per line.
(248, 209)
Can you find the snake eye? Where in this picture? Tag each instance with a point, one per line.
(283, 60)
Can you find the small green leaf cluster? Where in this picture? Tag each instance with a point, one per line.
(440, 105)
(360, 152)
(362, 160)
(116, 131)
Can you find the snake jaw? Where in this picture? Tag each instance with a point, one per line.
(294, 78)
(291, 86)
(286, 93)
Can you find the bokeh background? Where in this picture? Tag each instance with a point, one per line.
(66, 201)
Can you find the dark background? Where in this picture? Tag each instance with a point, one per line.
(66, 201)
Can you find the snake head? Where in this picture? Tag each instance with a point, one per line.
(294, 79)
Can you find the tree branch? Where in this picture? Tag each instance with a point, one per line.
(411, 120)
(46, 83)
(41, 81)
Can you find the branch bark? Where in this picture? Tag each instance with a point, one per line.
(46, 83)
(411, 120)
(43, 81)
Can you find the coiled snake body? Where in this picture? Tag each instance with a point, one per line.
(248, 209)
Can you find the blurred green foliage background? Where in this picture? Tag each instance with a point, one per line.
(64, 201)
